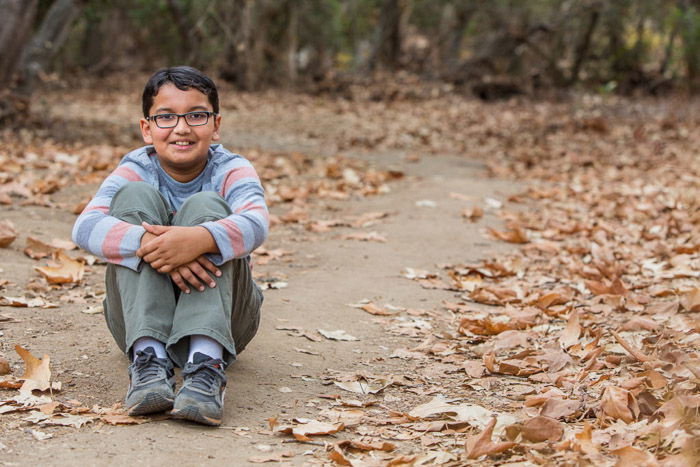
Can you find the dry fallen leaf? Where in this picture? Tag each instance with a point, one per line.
(483, 445)
(514, 235)
(339, 335)
(373, 309)
(4, 366)
(122, 419)
(365, 446)
(37, 249)
(306, 428)
(362, 386)
(8, 233)
(690, 300)
(37, 374)
(24, 302)
(571, 333)
(619, 403)
(67, 271)
(541, 428)
(473, 214)
(365, 237)
(633, 457)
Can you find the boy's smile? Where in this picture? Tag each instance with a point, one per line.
(182, 150)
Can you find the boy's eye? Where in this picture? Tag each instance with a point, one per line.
(165, 118)
(197, 116)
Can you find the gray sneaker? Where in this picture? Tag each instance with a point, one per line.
(151, 384)
(201, 397)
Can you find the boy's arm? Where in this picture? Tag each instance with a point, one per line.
(237, 235)
(106, 236)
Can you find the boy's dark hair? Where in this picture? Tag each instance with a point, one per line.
(184, 78)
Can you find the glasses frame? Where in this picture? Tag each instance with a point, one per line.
(209, 114)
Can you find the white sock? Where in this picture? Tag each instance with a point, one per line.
(143, 342)
(205, 345)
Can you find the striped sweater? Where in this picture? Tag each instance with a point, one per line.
(230, 175)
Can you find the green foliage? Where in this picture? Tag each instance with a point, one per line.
(630, 40)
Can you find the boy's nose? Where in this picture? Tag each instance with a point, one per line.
(182, 126)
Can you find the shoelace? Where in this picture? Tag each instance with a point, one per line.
(147, 365)
(205, 378)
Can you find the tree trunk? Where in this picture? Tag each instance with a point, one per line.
(389, 35)
(582, 48)
(15, 30)
(243, 52)
(292, 41)
(46, 42)
(454, 20)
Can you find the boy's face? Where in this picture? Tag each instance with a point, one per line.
(182, 150)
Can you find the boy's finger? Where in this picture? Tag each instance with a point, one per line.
(192, 279)
(154, 229)
(211, 267)
(177, 278)
(202, 274)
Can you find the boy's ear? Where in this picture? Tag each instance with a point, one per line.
(217, 123)
(146, 131)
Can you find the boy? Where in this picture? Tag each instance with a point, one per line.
(177, 221)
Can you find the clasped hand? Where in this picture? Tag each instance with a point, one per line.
(179, 252)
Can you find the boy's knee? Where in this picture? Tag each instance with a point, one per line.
(205, 205)
(139, 197)
(134, 191)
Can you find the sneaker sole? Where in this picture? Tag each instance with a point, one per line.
(193, 414)
(153, 402)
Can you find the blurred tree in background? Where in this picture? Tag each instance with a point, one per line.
(492, 48)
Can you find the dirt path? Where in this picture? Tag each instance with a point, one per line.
(272, 377)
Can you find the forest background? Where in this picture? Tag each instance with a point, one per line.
(492, 48)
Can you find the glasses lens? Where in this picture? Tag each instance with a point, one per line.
(166, 120)
(197, 118)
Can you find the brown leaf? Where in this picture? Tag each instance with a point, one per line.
(473, 214)
(4, 366)
(68, 270)
(122, 419)
(365, 237)
(542, 428)
(10, 382)
(338, 456)
(560, 408)
(690, 300)
(363, 446)
(37, 249)
(8, 233)
(620, 404)
(279, 457)
(634, 457)
(482, 444)
(570, 335)
(373, 309)
(37, 374)
(24, 302)
(514, 235)
(307, 428)
(78, 208)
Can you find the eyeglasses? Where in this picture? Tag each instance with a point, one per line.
(196, 118)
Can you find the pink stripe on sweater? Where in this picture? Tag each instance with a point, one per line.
(234, 234)
(102, 209)
(253, 207)
(113, 240)
(129, 174)
(235, 175)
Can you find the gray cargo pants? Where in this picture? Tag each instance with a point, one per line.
(148, 304)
